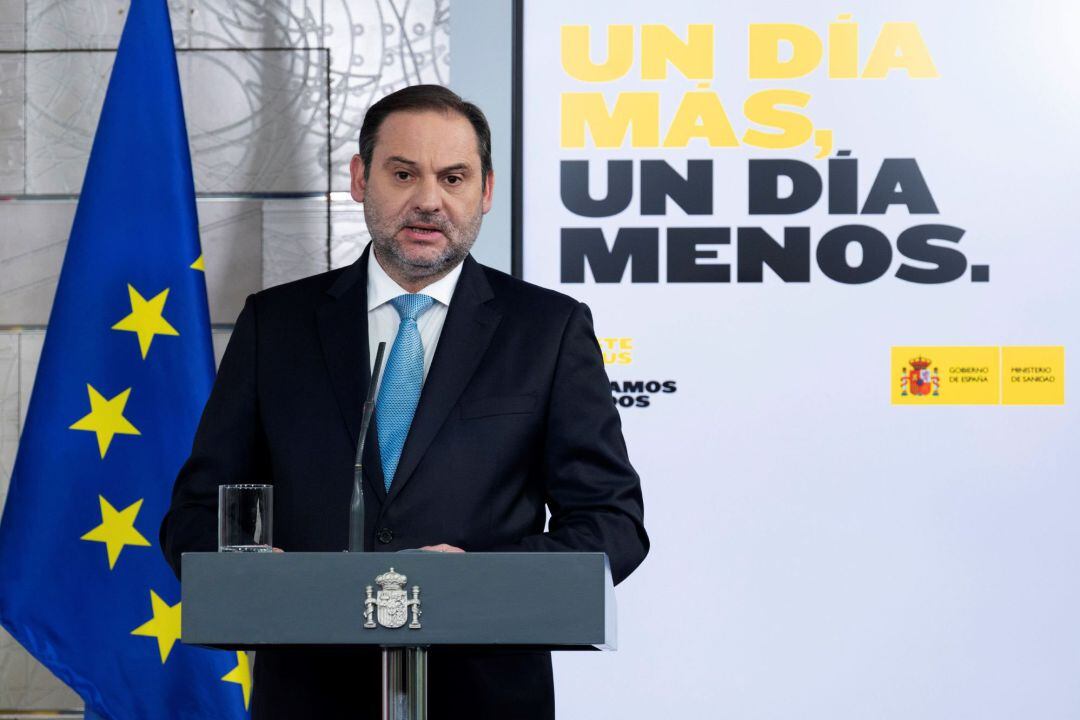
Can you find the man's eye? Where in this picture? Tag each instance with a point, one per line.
(453, 179)
(402, 175)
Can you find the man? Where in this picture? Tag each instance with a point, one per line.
(494, 403)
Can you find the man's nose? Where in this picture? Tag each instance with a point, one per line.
(428, 197)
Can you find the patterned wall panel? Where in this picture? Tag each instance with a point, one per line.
(63, 101)
(12, 125)
(231, 233)
(247, 105)
(255, 23)
(376, 48)
(34, 238)
(12, 24)
(256, 118)
(89, 24)
(348, 231)
(294, 239)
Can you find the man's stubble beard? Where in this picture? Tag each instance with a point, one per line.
(384, 232)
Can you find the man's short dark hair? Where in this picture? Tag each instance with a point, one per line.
(418, 98)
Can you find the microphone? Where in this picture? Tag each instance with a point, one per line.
(356, 505)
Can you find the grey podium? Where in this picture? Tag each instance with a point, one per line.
(404, 602)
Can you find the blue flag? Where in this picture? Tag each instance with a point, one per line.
(125, 371)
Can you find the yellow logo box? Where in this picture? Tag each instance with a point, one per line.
(942, 375)
(1033, 375)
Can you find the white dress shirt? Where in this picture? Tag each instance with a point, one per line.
(383, 320)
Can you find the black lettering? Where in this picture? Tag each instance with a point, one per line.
(843, 185)
(899, 182)
(581, 246)
(915, 244)
(876, 254)
(765, 187)
(652, 386)
(683, 252)
(790, 261)
(669, 386)
(574, 188)
(660, 181)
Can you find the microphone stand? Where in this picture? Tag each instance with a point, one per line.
(356, 505)
(404, 669)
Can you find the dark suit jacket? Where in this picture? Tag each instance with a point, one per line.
(515, 413)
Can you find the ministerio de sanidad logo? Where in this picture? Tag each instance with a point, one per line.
(979, 375)
(630, 393)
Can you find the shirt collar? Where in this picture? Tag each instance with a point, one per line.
(381, 288)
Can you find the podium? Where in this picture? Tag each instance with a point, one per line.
(404, 602)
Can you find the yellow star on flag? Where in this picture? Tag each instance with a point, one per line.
(145, 319)
(198, 264)
(241, 675)
(165, 625)
(117, 529)
(106, 418)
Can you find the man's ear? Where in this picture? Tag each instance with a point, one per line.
(488, 190)
(358, 184)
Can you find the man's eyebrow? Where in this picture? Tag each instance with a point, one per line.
(456, 167)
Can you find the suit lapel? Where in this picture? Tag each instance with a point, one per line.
(342, 322)
(466, 334)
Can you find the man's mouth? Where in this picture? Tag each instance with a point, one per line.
(423, 232)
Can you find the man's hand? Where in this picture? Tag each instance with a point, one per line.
(442, 547)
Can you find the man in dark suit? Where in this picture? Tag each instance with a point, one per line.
(494, 404)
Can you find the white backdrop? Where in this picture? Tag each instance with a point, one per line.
(819, 550)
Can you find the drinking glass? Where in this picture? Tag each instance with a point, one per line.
(245, 518)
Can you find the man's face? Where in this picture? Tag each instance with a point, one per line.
(423, 201)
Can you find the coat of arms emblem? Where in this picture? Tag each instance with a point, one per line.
(919, 380)
(392, 601)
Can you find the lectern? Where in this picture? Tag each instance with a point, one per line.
(405, 602)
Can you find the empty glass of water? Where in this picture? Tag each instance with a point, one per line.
(245, 518)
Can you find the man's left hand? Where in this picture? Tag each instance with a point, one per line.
(442, 547)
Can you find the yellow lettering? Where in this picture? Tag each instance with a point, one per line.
(701, 114)
(900, 47)
(765, 40)
(823, 141)
(576, 59)
(843, 48)
(795, 128)
(693, 58)
(638, 112)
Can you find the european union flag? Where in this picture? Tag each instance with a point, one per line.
(126, 368)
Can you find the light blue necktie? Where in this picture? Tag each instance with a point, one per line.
(401, 383)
